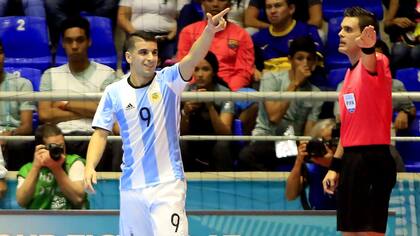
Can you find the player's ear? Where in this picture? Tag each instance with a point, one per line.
(128, 57)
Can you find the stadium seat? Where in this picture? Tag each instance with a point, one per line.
(335, 8)
(411, 80)
(333, 58)
(335, 76)
(32, 74)
(25, 42)
(102, 49)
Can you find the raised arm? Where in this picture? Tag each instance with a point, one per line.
(200, 48)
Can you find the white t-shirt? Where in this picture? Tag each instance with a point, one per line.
(157, 16)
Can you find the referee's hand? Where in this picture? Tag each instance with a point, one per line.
(330, 182)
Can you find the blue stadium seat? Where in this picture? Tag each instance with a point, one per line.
(25, 42)
(32, 74)
(333, 58)
(335, 76)
(102, 49)
(335, 8)
(411, 80)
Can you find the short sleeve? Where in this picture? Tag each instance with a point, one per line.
(76, 171)
(104, 117)
(26, 86)
(46, 84)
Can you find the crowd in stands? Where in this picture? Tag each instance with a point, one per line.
(268, 45)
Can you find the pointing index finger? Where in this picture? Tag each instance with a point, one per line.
(222, 13)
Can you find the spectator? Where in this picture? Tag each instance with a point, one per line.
(22, 8)
(402, 21)
(276, 117)
(309, 11)
(54, 180)
(15, 117)
(79, 75)
(233, 47)
(207, 118)
(310, 170)
(59, 10)
(272, 43)
(157, 17)
(190, 13)
(3, 172)
(237, 12)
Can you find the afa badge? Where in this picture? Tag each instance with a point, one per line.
(155, 97)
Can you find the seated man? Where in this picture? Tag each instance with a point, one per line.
(272, 44)
(276, 117)
(79, 75)
(233, 47)
(311, 165)
(207, 118)
(15, 118)
(54, 180)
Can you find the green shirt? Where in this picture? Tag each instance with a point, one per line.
(47, 193)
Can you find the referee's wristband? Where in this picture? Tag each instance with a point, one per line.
(336, 164)
(368, 50)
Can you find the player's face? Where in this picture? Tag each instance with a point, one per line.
(278, 11)
(76, 44)
(350, 30)
(144, 58)
(203, 74)
(304, 59)
(215, 6)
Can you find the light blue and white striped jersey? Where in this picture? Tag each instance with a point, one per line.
(149, 119)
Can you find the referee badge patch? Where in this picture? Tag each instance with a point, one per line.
(350, 102)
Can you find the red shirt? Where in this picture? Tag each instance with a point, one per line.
(365, 102)
(233, 48)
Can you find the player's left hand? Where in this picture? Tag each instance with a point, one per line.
(217, 23)
(368, 37)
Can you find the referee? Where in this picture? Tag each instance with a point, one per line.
(362, 172)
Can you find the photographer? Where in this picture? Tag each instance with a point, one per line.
(54, 180)
(311, 165)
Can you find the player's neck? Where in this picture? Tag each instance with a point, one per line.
(140, 81)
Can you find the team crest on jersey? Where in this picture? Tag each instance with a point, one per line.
(233, 43)
(154, 94)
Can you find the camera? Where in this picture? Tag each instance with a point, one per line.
(55, 151)
(315, 148)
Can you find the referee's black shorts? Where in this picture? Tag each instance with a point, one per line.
(365, 185)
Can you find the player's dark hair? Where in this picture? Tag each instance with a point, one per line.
(136, 36)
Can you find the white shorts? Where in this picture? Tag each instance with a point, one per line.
(157, 210)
